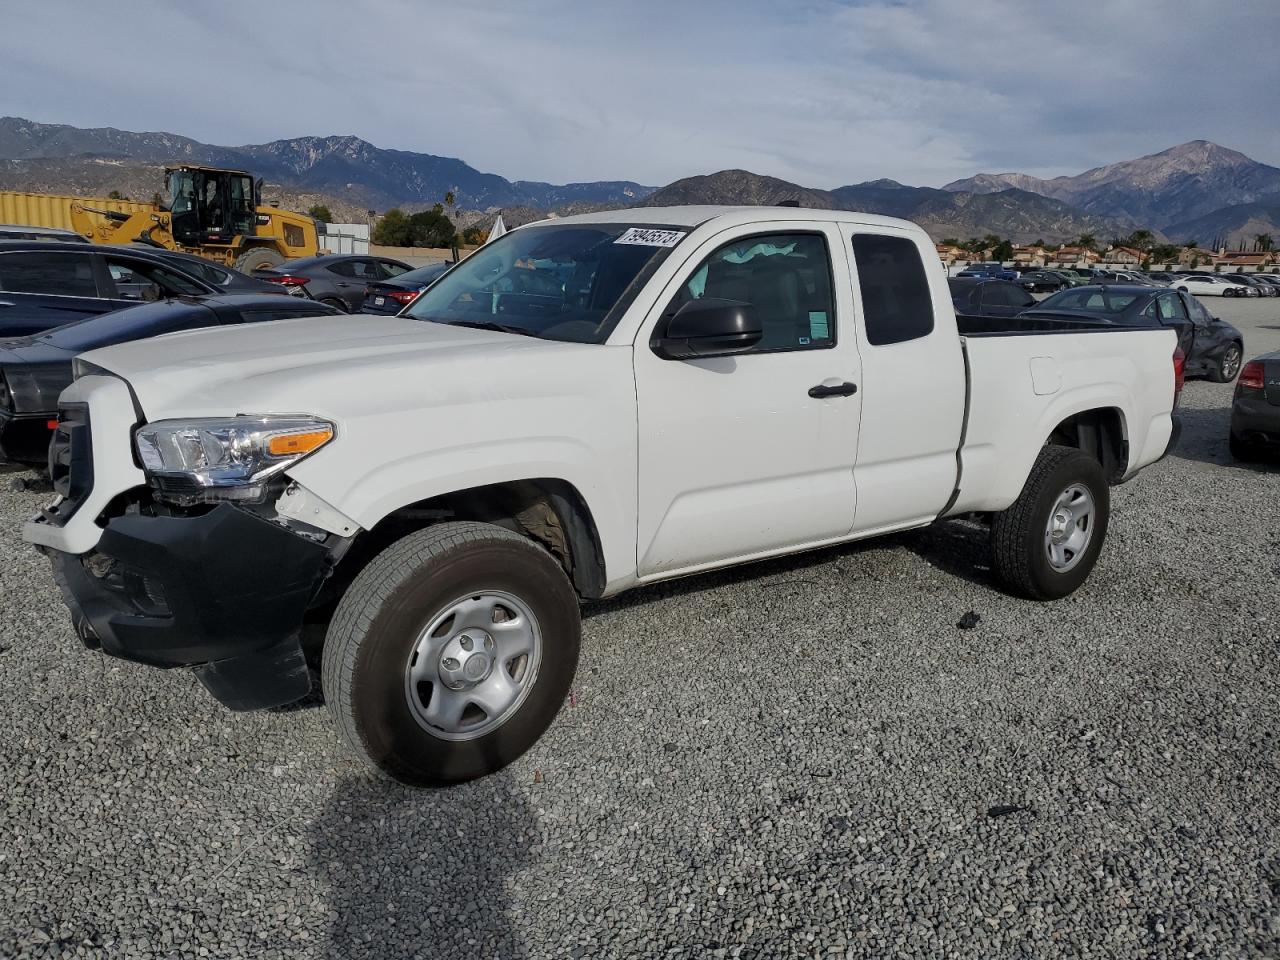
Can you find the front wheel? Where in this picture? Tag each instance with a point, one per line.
(258, 258)
(451, 653)
(1046, 543)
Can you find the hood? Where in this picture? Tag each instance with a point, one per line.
(335, 367)
(32, 351)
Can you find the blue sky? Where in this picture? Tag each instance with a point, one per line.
(823, 93)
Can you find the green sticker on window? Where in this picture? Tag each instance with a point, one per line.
(818, 326)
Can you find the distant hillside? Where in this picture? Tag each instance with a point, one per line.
(1163, 189)
(1241, 223)
(1197, 186)
(733, 187)
(343, 167)
(1017, 214)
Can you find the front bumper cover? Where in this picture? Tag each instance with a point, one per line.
(224, 592)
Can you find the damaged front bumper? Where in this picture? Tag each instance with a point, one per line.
(223, 592)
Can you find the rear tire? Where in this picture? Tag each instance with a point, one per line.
(1228, 365)
(1243, 450)
(336, 303)
(1047, 542)
(258, 258)
(407, 634)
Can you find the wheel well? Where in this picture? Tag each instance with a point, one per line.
(551, 512)
(1100, 433)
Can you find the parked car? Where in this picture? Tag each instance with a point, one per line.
(452, 480)
(988, 298)
(1070, 277)
(1078, 277)
(227, 279)
(1042, 281)
(1213, 348)
(336, 279)
(996, 271)
(392, 296)
(1205, 285)
(1259, 288)
(1162, 277)
(1255, 411)
(17, 231)
(35, 370)
(45, 285)
(1125, 276)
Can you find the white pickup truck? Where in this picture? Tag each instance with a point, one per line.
(420, 502)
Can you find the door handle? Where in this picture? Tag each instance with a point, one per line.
(822, 390)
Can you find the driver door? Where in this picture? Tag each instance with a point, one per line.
(746, 455)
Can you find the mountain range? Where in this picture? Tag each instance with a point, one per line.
(343, 167)
(1198, 190)
(1017, 214)
(1163, 190)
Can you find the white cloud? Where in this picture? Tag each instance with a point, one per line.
(820, 92)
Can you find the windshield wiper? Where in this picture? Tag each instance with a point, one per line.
(490, 325)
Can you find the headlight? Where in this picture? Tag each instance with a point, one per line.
(225, 459)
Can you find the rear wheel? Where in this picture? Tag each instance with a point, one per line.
(1228, 365)
(1046, 543)
(1242, 449)
(258, 258)
(451, 653)
(336, 303)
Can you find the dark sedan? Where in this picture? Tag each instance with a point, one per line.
(1042, 281)
(337, 279)
(45, 285)
(977, 297)
(1213, 347)
(392, 296)
(227, 279)
(1255, 412)
(34, 370)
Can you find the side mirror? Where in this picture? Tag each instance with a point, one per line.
(709, 327)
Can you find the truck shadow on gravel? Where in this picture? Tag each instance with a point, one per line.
(1204, 439)
(421, 872)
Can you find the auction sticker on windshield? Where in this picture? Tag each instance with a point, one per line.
(651, 238)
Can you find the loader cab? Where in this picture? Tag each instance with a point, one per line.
(210, 206)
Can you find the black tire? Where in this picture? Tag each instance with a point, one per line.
(1021, 560)
(335, 302)
(1228, 366)
(1242, 449)
(380, 618)
(258, 258)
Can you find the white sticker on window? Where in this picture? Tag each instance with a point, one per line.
(651, 238)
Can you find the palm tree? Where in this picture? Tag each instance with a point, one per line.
(1262, 242)
(1088, 241)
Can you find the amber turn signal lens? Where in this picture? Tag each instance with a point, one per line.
(292, 444)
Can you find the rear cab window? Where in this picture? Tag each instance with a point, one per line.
(897, 305)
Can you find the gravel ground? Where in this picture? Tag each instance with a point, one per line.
(803, 758)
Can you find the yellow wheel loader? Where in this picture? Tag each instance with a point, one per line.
(209, 211)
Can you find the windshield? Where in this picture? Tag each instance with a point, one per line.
(1093, 299)
(568, 282)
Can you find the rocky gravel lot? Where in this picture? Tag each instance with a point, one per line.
(805, 758)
